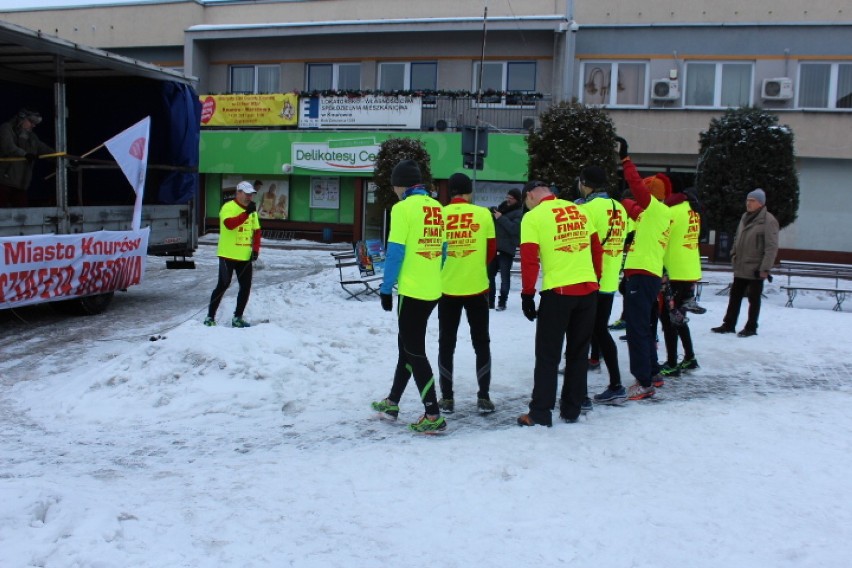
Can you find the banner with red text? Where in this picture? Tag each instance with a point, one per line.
(280, 109)
(41, 268)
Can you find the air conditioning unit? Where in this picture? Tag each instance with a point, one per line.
(665, 90)
(778, 89)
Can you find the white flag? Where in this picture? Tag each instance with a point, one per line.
(130, 150)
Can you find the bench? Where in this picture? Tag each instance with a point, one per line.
(816, 270)
(277, 235)
(699, 287)
(838, 293)
(360, 270)
(350, 278)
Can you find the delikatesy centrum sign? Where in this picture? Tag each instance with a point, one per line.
(357, 155)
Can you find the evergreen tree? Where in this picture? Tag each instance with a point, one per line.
(391, 152)
(745, 149)
(572, 136)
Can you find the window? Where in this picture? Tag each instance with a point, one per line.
(408, 76)
(334, 76)
(630, 85)
(506, 77)
(825, 85)
(719, 85)
(250, 79)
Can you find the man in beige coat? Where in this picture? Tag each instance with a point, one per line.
(752, 256)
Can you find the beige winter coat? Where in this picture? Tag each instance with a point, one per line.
(755, 245)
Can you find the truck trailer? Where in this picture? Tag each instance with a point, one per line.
(86, 96)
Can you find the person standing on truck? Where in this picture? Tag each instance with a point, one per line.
(239, 246)
(20, 147)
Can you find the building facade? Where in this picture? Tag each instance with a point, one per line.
(662, 70)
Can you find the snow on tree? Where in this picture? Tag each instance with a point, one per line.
(391, 152)
(572, 136)
(742, 150)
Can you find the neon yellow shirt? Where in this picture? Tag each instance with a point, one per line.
(563, 234)
(417, 224)
(605, 212)
(468, 228)
(651, 238)
(683, 258)
(235, 244)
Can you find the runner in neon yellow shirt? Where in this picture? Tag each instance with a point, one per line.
(471, 246)
(610, 221)
(559, 238)
(239, 246)
(682, 262)
(643, 269)
(413, 261)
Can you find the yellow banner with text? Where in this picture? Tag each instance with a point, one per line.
(278, 109)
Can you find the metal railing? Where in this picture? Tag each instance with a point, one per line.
(501, 114)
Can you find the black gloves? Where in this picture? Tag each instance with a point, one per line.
(387, 302)
(694, 202)
(251, 208)
(254, 255)
(528, 306)
(31, 157)
(622, 147)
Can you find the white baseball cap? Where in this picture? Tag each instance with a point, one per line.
(246, 187)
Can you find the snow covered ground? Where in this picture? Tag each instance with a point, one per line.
(142, 438)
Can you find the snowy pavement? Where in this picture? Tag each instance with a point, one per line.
(256, 447)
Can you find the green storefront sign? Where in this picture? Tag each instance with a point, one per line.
(295, 156)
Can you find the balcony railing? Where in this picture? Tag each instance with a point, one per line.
(502, 114)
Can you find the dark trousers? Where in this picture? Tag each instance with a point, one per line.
(412, 318)
(681, 291)
(561, 317)
(502, 263)
(750, 288)
(227, 267)
(449, 316)
(641, 308)
(602, 339)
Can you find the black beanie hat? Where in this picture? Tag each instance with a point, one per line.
(531, 185)
(593, 176)
(515, 192)
(460, 184)
(406, 174)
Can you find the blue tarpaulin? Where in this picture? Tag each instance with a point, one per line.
(184, 110)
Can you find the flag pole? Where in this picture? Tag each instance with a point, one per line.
(89, 153)
(479, 96)
(19, 158)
